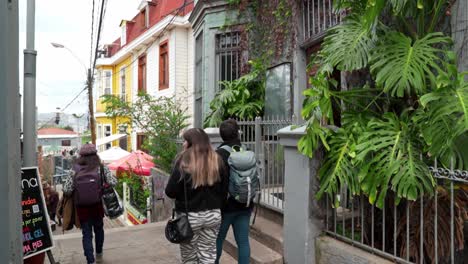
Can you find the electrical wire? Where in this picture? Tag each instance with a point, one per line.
(92, 34)
(64, 108)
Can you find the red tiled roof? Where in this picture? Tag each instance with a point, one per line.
(158, 9)
(55, 131)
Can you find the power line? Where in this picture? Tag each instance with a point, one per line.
(103, 2)
(64, 108)
(92, 34)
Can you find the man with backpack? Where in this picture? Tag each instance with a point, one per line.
(85, 183)
(243, 186)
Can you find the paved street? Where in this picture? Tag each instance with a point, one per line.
(139, 244)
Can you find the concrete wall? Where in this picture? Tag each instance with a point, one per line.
(10, 159)
(162, 205)
(58, 141)
(332, 251)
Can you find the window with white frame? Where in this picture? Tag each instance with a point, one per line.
(122, 84)
(107, 133)
(123, 37)
(99, 83)
(107, 88)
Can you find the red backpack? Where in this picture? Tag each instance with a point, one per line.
(88, 187)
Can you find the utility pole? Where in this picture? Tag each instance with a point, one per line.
(29, 94)
(92, 122)
(10, 158)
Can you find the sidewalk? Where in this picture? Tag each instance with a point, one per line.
(139, 244)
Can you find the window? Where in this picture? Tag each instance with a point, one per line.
(99, 83)
(107, 133)
(163, 66)
(144, 18)
(228, 57)
(123, 37)
(141, 138)
(122, 84)
(66, 143)
(142, 74)
(198, 111)
(107, 82)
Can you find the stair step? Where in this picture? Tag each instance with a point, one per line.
(259, 253)
(268, 233)
(227, 259)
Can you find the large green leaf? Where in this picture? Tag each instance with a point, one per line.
(348, 45)
(401, 65)
(338, 169)
(444, 118)
(387, 154)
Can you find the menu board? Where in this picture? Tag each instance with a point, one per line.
(37, 235)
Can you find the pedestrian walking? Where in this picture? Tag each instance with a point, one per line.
(84, 183)
(200, 170)
(52, 200)
(234, 213)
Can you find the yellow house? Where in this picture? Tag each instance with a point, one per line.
(114, 80)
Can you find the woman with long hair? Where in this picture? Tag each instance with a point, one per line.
(202, 171)
(84, 183)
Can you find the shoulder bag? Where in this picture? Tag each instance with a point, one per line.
(178, 229)
(110, 199)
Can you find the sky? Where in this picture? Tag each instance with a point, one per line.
(59, 75)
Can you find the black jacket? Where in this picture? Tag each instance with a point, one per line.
(200, 199)
(231, 204)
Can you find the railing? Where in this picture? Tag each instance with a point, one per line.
(260, 135)
(433, 229)
(317, 17)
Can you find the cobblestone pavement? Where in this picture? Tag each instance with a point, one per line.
(139, 244)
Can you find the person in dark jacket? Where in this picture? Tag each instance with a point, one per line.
(201, 171)
(233, 213)
(90, 217)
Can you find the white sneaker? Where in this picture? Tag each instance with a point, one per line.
(99, 258)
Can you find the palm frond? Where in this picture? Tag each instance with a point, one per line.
(401, 65)
(348, 46)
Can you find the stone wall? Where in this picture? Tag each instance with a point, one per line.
(332, 251)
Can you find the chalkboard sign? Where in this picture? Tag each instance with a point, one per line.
(37, 236)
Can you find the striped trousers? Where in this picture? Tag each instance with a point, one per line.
(202, 247)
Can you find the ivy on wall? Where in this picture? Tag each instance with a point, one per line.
(268, 37)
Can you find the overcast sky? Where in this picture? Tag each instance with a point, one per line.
(60, 76)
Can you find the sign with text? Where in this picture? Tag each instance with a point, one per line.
(37, 235)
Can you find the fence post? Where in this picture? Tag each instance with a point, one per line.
(302, 215)
(125, 197)
(259, 150)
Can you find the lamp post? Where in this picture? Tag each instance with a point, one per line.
(89, 85)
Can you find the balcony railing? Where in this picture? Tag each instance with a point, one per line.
(317, 17)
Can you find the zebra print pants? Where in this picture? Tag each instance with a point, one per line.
(202, 247)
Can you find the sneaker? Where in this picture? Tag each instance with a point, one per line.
(99, 258)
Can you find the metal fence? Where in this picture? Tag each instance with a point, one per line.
(260, 135)
(433, 229)
(318, 16)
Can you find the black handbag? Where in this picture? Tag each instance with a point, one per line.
(110, 199)
(178, 229)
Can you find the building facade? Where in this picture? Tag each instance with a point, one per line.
(152, 56)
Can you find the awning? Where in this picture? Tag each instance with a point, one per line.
(109, 139)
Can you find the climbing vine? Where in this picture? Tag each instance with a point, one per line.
(268, 36)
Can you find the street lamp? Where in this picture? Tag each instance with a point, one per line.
(89, 85)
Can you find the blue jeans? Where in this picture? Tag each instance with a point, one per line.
(240, 222)
(87, 229)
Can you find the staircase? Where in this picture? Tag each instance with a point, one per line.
(266, 239)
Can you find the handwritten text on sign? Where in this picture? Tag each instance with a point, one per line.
(37, 236)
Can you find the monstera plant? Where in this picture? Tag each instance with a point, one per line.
(410, 108)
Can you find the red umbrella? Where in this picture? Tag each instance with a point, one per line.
(138, 162)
